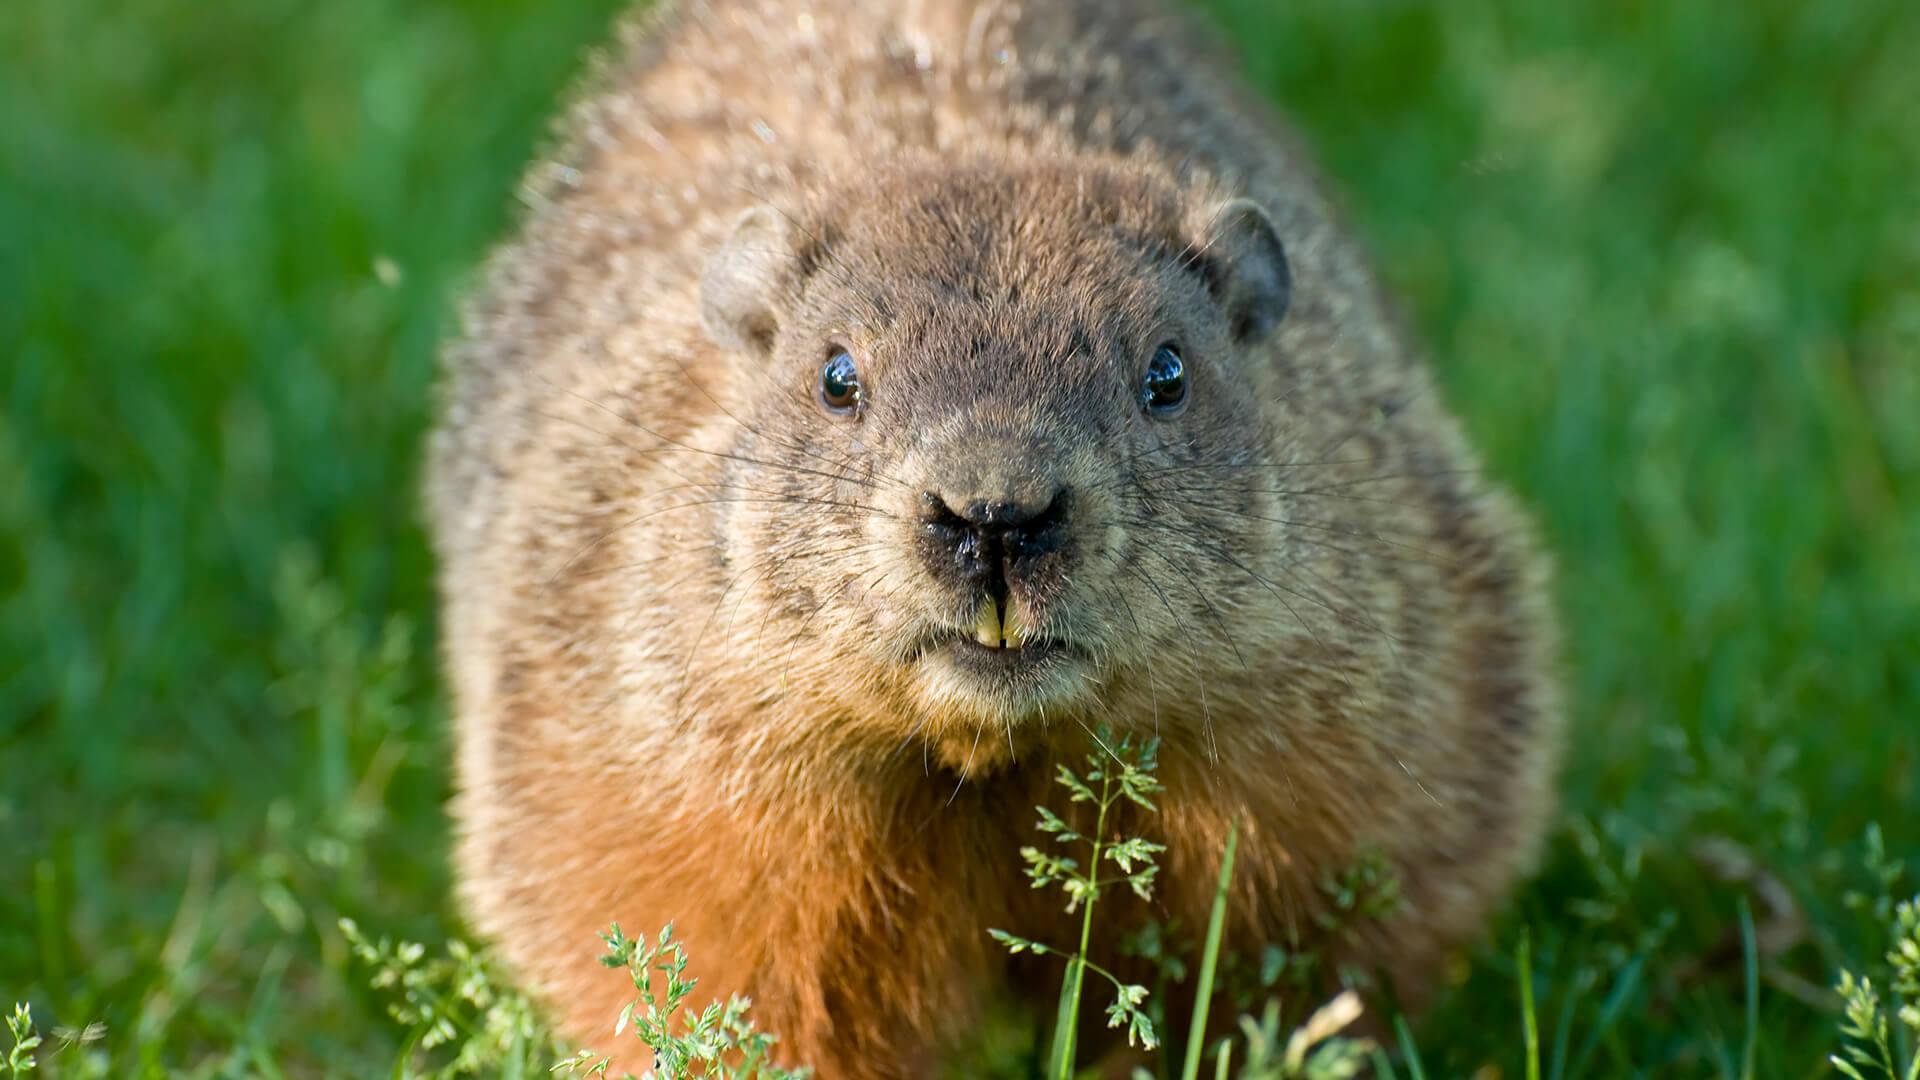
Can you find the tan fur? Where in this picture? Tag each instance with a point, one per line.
(680, 601)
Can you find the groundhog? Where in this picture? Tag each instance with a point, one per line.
(879, 399)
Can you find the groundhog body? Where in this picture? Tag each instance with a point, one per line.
(879, 398)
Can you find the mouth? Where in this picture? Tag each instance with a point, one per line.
(999, 644)
(997, 627)
(1005, 661)
(999, 669)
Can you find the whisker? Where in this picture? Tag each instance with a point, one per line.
(695, 503)
(1211, 610)
(1429, 558)
(967, 768)
(1235, 466)
(788, 442)
(1153, 690)
(1193, 652)
(676, 445)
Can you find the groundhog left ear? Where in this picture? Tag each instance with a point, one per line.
(746, 280)
(1246, 266)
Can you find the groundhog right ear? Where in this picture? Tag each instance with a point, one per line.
(1247, 268)
(746, 279)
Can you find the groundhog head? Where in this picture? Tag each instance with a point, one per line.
(1006, 426)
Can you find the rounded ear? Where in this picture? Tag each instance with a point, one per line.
(1247, 268)
(745, 280)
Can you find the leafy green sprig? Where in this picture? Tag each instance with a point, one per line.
(1117, 772)
(20, 1059)
(1882, 1035)
(717, 1041)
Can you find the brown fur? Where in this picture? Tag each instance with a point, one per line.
(685, 615)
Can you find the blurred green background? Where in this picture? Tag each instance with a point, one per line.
(1667, 257)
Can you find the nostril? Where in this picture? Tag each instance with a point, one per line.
(935, 512)
(1052, 514)
(1041, 533)
(956, 539)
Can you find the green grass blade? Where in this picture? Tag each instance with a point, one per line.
(1197, 1031)
(1610, 1011)
(1409, 1051)
(1526, 1005)
(1563, 1031)
(1065, 1020)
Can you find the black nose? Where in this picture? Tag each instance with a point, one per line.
(990, 540)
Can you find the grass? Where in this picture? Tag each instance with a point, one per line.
(1667, 257)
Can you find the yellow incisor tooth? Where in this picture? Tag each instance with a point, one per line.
(986, 624)
(1013, 629)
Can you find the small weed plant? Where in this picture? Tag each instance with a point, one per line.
(1122, 774)
(462, 1015)
(1880, 1032)
(1118, 772)
(20, 1060)
(718, 1041)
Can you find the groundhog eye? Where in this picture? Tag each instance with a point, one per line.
(840, 383)
(1163, 390)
